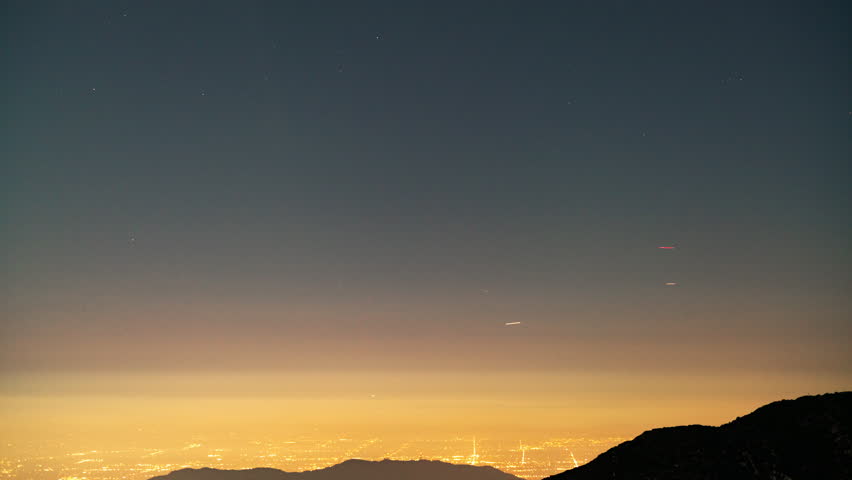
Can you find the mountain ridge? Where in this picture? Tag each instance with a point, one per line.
(806, 438)
(353, 469)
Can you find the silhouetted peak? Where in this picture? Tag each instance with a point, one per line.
(790, 439)
(354, 469)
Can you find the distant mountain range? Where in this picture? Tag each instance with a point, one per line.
(803, 439)
(352, 470)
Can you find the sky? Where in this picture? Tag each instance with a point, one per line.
(338, 206)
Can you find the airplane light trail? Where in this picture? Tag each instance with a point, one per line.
(513, 323)
(667, 248)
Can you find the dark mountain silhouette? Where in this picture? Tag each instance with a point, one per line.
(803, 439)
(352, 470)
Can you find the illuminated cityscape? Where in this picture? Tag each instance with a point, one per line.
(531, 460)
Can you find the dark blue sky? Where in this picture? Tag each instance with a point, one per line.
(463, 165)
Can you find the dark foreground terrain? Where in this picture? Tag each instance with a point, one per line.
(352, 470)
(803, 439)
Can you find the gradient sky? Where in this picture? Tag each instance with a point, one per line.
(331, 200)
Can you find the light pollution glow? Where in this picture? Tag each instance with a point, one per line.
(154, 412)
(392, 403)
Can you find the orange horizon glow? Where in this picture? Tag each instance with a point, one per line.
(157, 411)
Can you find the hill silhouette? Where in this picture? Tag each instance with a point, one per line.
(803, 439)
(352, 470)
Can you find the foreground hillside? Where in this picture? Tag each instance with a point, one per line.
(803, 439)
(352, 470)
